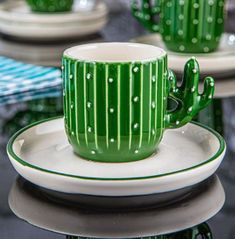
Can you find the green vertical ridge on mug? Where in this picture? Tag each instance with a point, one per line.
(50, 5)
(117, 107)
(185, 25)
(117, 111)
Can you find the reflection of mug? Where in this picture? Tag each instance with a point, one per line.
(50, 5)
(185, 25)
(115, 99)
(200, 231)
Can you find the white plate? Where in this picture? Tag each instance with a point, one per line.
(221, 61)
(40, 32)
(33, 206)
(186, 156)
(19, 12)
(17, 21)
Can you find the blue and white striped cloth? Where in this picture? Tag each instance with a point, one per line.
(22, 82)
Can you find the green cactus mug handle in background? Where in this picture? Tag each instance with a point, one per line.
(185, 25)
(50, 6)
(143, 11)
(115, 99)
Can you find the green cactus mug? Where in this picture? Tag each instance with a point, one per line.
(48, 6)
(115, 99)
(192, 26)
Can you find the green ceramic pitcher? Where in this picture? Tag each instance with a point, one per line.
(193, 26)
(50, 5)
(115, 99)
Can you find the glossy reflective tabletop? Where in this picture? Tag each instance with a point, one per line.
(42, 214)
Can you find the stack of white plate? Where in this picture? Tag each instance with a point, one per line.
(17, 20)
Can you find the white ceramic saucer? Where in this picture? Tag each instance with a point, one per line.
(186, 156)
(18, 11)
(49, 33)
(34, 207)
(17, 20)
(221, 62)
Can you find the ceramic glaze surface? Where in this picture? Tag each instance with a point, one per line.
(115, 105)
(186, 155)
(50, 5)
(114, 110)
(185, 25)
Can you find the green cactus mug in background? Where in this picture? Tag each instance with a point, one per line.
(48, 6)
(192, 26)
(115, 99)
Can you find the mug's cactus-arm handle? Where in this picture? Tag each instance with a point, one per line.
(189, 100)
(146, 13)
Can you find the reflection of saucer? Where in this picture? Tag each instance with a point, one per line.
(186, 156)
(220, 63)
(16, 20)
(119, 203)
(31, 205)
